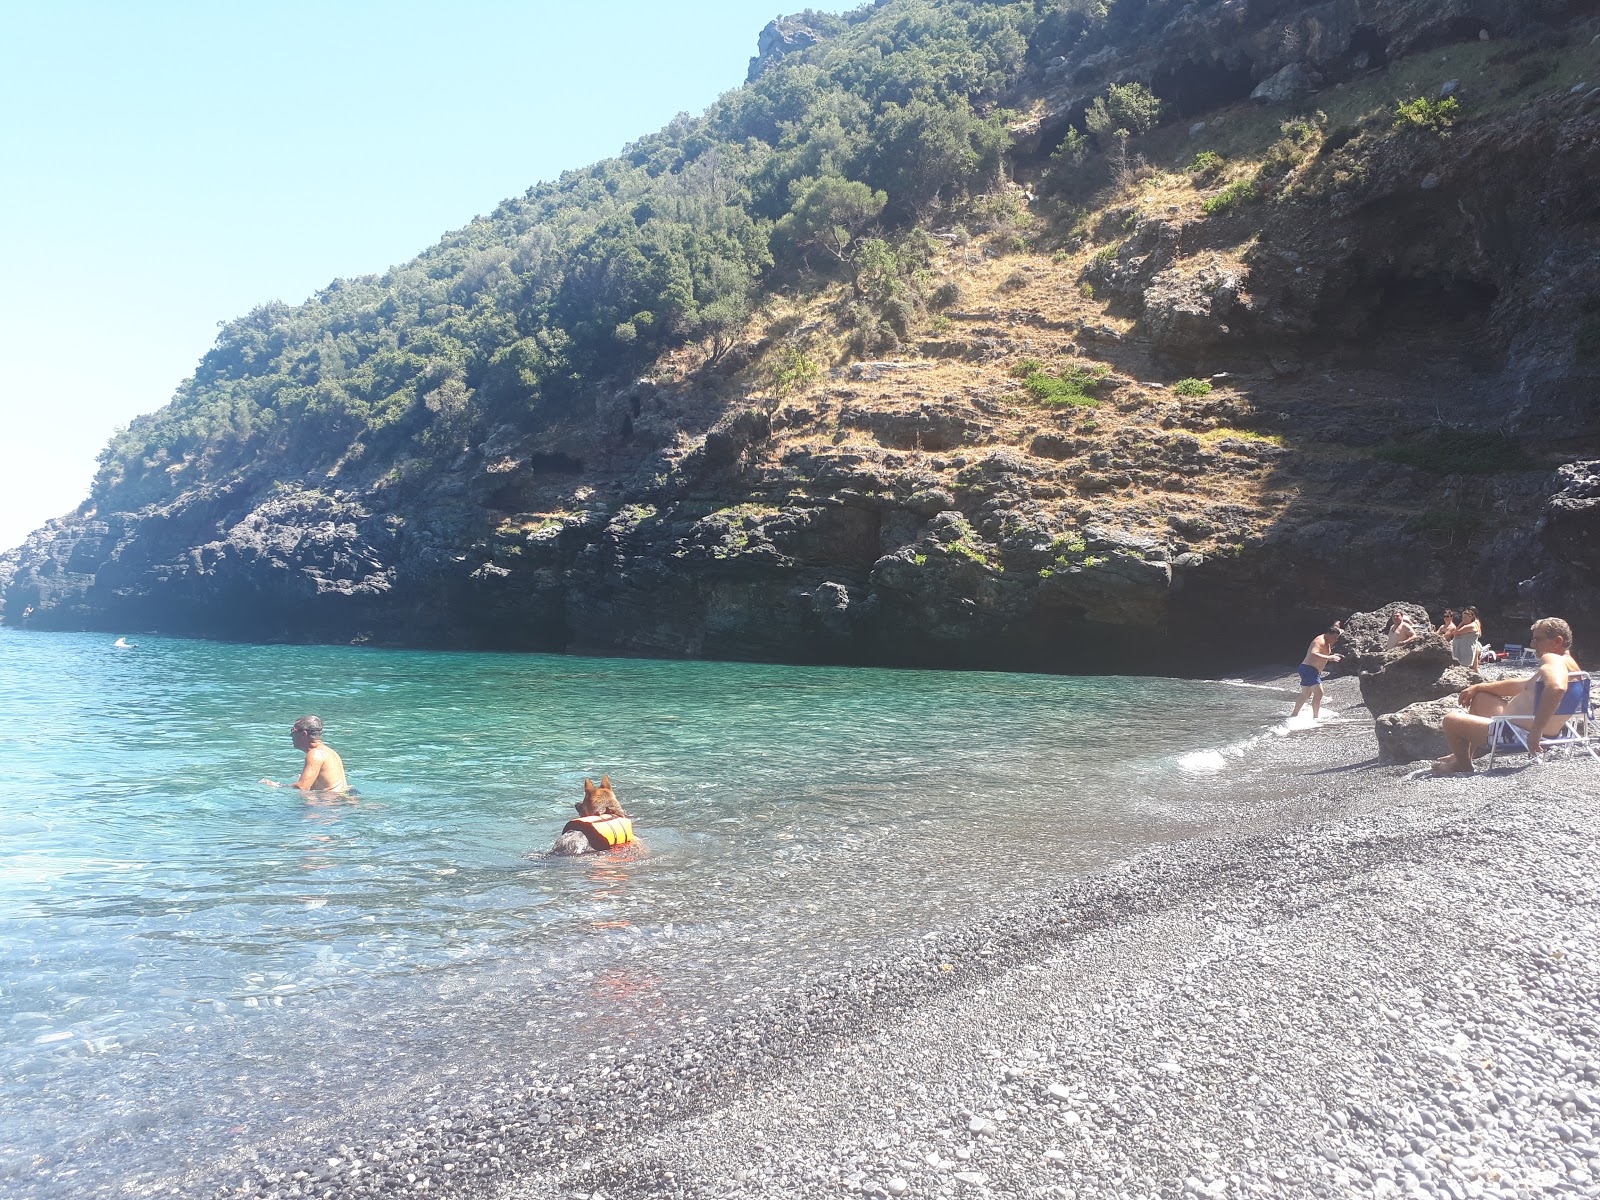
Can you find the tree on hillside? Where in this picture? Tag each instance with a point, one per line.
(925, 150)
(828, 213)
(1125, 109)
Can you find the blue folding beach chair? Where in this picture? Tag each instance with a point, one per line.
(1576, 733)
(1514, 655)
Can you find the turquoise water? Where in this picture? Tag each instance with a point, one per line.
(191, 963)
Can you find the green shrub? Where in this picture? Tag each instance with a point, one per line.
(1207, 165)
(1026, 366)
(1446, 451)
(1192, 387)
(1126, 107)
(1240, 191)
(793, 371)
(1071, 387)
(1425, 113)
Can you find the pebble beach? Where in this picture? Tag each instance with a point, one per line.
(1391, 987)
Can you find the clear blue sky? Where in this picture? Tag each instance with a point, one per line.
(169, 165)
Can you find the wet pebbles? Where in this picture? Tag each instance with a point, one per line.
(1394, 990)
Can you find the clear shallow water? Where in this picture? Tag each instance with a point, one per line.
(191, 963)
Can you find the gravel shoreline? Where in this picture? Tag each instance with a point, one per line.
(1394, 989)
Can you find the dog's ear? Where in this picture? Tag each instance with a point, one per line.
(605, 781)
(588, 786)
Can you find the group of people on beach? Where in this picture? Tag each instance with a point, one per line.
(1463, 632)
(1532, 703)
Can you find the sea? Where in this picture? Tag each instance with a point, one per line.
(194, 964)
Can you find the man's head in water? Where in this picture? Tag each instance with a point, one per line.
(307, 731)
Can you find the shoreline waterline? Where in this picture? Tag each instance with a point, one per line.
(196, 965)
(1273, 1013)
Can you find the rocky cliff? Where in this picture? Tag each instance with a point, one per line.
(1296, 352)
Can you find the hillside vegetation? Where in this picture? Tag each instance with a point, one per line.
(1002, 333)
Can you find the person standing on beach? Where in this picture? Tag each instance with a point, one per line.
(1318, 655)
(1464, 642)
(324, 769)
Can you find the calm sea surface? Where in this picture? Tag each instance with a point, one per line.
(191, 962)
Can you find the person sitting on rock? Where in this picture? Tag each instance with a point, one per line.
(1318, 655)
(1448, 629)
(1468, 732)
(1400, 630)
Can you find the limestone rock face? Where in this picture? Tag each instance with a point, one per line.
(1415, 731)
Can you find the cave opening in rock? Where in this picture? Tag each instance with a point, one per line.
(1368, 47)
(1195, 87)
(1407, 303)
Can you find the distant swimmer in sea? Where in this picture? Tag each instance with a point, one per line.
(1318, 655)
(324, 769)
(125, 644)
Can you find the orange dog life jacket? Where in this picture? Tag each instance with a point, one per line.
(603, 832)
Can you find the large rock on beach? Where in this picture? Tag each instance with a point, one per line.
(1361, 646)
(1423, 669)
(1415, 731)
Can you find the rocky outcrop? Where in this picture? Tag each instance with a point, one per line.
(780, 37)
(1293, 82)
(1570, 529)
(1415, 731)
(1362, 644)
(1418, 671)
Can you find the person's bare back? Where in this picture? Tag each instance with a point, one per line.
(324, 769)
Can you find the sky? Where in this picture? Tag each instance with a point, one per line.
(166, 166)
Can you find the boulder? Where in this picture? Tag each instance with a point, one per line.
(1294, 82)
(1187, 310)
(1420, 670)
(1361, 647)
(1415, 731)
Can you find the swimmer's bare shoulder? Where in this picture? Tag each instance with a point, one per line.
(330, 769)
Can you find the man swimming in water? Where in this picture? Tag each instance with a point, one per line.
(1318, 655)
(324, 770)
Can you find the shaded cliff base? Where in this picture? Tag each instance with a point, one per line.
(1389, 988)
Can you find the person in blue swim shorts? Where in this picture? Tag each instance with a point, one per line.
(1318, 655)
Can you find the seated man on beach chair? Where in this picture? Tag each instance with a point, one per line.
(1468, 732)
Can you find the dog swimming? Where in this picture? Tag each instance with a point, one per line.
(600, 825)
